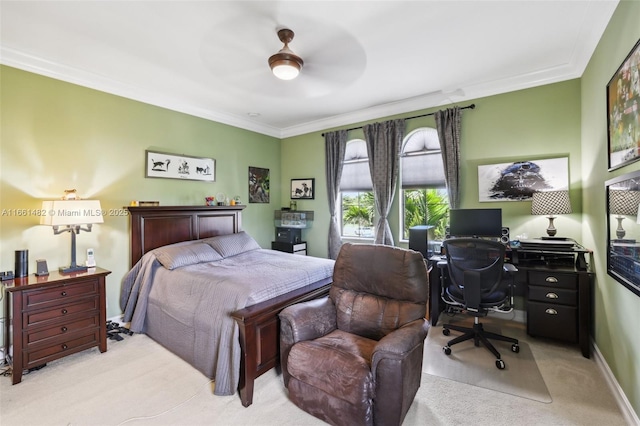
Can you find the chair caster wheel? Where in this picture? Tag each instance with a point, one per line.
(500, 364)
(446, 331)
(515, 348)
(447, 350)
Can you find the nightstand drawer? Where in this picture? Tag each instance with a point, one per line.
(41, 336)
(76, 343)
(34, 299)
(553, 295)
(553, 321)
(554, 279)
(72, 310)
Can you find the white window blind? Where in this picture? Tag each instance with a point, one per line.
(355, 172)
(421, 160)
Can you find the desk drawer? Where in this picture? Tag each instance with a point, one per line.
(554, 279)
(553, 295)
(553, 321)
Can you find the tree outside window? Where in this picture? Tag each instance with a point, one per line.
(357, 214)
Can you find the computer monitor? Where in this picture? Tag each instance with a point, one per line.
(475, 222)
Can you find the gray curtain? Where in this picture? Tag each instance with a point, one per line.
(335, 144)
(384, 141)
(448, 125)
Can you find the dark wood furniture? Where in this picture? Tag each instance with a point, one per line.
(259, 326)
(295, 248)
(54, 316)
(558, 294)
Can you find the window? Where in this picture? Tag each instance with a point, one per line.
(356, 195)
(424, 194)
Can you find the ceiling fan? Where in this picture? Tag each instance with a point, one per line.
(285, 64)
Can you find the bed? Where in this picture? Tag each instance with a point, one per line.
(197, 286)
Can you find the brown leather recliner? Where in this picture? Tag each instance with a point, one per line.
(355, 357)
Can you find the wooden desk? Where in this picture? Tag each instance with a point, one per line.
(558, 297)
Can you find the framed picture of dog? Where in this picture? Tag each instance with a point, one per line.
(623, 113)
(303, 189)
(172, 166)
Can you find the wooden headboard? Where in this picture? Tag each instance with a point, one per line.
(153, 227)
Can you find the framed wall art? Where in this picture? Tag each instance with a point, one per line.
(623, 112)
(173, 166)
(258, 185)
(623, 230)
(303, 189)
(517, 181)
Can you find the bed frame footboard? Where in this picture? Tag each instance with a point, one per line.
(260, 335)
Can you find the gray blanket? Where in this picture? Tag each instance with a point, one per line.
(191, 304)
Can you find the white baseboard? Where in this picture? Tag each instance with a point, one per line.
(623, 402)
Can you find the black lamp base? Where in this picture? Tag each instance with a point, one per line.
(72, 269)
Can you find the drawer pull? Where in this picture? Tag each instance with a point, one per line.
(551, 279)
(551, 311)
(64, 347)
(64, 329)
(64, 293)
(64, 312)
(551, 296)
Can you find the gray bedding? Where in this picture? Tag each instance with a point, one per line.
(181, 295)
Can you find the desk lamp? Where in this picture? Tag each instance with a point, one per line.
(551, 203)
(74, 215)
(623, 202)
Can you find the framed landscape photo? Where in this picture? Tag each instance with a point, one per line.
(303, 189)
(173, 166)
(623, 112)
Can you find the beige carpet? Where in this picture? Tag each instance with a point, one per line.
(476, 365)
(138, 382)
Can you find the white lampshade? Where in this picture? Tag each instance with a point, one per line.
(71, 212)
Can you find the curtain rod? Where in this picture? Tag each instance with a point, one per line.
(472, 106)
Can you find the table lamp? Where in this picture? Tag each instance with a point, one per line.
(623, 202)
(73, 215)
(551, 203)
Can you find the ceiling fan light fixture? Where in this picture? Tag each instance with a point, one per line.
(285, 64)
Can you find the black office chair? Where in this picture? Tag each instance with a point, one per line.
(476, 268)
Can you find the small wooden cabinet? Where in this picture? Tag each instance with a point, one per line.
(54, 316)
(295, 248)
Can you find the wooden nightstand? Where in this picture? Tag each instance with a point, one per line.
(54, 316)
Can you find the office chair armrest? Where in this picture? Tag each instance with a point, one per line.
(510, 268)
(401, 341)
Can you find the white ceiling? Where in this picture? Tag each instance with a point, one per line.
(363, 59)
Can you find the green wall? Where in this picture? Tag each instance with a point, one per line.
(617, 310)
(58, 136)
(542, 122)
